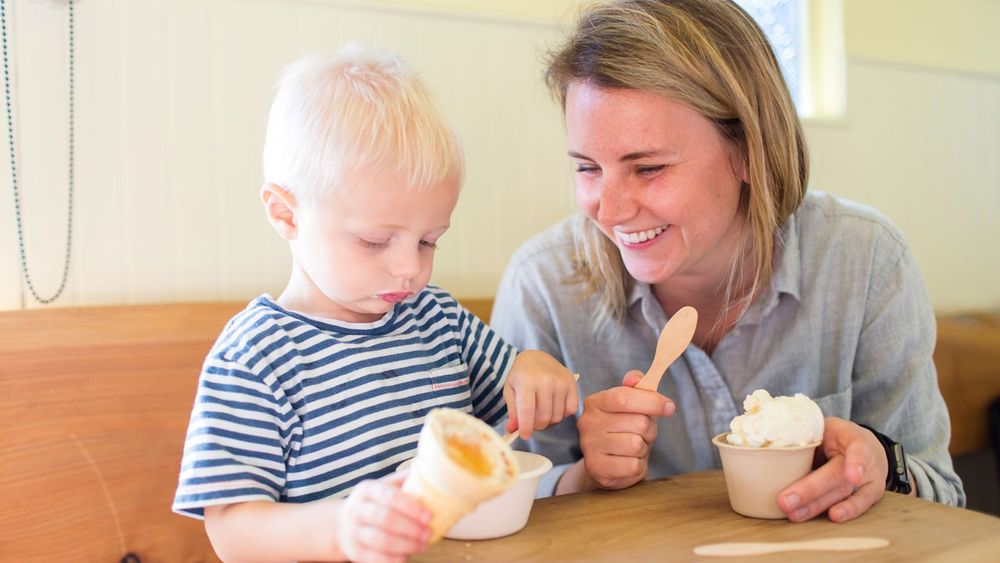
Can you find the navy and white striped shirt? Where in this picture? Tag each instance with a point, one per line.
(294, 409)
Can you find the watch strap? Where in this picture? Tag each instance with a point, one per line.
(897, 479)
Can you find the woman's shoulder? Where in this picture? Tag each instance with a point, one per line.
(824, 215)
(839, 238)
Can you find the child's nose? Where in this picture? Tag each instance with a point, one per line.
(405, 264)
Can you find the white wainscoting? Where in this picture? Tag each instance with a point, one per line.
(172, 101)
(172, 98)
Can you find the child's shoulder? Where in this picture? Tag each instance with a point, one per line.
(260, 321)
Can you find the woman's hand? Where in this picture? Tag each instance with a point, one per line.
(617, 430)
(378, 522)
(850, 480)
(539, 392)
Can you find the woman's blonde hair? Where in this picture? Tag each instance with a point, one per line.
(361, 109)
(712, 57)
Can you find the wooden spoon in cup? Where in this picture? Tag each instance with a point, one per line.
(674, 338)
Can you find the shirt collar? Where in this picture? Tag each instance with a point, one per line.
(787, 276)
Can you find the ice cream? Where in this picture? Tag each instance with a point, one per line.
(460, 462)
(776, 422)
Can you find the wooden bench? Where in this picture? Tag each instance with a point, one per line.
(94, 403)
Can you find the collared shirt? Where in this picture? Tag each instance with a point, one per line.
(846, 320)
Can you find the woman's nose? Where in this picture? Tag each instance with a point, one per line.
(616, 203)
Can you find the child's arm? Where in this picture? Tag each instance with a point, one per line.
(376, 522)
(539, 392)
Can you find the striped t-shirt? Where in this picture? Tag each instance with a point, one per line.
(294, 409)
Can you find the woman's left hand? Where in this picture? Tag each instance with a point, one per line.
(848, 483)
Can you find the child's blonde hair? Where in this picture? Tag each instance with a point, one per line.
(360, 109)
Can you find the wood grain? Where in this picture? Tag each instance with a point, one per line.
(967, 357)
(665, 520)
(94, 405)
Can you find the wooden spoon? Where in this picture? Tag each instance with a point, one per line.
(674, 338)
(511, 436)
(761, 548)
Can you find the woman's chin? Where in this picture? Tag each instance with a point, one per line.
(647, 271)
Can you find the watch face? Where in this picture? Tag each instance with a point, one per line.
(899, 477)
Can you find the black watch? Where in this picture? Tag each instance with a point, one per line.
(898, 479)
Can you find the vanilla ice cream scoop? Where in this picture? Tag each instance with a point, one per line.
(776, 422)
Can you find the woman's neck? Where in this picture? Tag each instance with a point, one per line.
(717, 312)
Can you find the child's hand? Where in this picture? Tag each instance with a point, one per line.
(539, 392)
(381, 523)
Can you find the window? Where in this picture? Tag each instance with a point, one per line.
(807, 38)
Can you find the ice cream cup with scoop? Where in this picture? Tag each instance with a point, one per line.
(460, 463)
(768, 448)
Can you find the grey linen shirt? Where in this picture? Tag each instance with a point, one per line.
(846, 321)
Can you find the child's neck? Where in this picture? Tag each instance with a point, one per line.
(302, 296)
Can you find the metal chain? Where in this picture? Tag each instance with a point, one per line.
(13, 167)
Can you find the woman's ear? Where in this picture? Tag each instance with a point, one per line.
(280, 205)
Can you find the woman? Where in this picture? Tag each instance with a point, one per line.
(691, 173)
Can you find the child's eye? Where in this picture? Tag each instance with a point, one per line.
(428, 244)
(650, 170)
(372, 244)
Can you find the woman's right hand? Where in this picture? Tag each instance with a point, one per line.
(617, 430)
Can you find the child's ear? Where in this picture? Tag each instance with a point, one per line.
(279, 204)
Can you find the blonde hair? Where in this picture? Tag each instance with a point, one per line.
(360, 109)
(712, 57)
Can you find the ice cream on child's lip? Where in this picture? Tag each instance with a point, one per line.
(776, 422)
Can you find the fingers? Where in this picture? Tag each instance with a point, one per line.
(510, 398)
(629, 400)
(525, 410)
(626, 445)
(847, 485)
(632, 378)
(858, 503)
(599, 422)
(388, 504)
(616, 472)
(386, 524)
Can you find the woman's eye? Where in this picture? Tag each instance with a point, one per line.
(650, 170)
(372, 244)
(587, 169)
(428, 244)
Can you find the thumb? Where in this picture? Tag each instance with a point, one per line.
(632, 378)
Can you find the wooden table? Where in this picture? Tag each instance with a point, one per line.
(666, 519)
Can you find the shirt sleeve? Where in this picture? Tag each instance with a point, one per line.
(521, 314)
(896, 387)
(489, 359)
(237, 440)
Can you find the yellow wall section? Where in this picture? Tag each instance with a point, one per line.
(545, 11)
(956, 35)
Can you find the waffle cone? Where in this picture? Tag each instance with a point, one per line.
(449, 486)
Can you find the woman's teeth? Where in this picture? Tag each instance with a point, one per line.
(640, 236)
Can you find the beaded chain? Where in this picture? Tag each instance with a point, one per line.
(13, 166)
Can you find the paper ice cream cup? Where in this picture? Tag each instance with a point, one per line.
(460, 462)
(755, 476)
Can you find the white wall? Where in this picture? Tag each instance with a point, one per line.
(172, 99)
